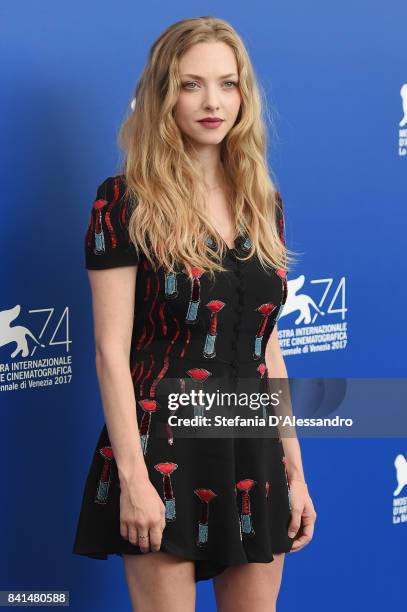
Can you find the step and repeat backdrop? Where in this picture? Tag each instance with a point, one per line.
(335, 80)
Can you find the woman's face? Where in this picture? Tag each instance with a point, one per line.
(209, 88)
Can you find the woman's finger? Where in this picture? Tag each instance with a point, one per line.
(144, 541)
(295, 522)
(132, 530)
(305, 533)
(155, 538)
(124, 532)
(300, 542)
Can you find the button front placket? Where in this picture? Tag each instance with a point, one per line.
(242, 244)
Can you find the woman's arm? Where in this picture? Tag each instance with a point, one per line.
(277, 369)
(112, 262)
(113, 292)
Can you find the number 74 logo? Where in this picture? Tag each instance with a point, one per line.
(307, 308)
(18, 334)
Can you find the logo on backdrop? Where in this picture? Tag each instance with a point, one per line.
(400, 503)
(403, 122)
(319, 316)
(19, 369)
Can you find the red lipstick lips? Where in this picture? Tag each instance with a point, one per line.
(210, 122)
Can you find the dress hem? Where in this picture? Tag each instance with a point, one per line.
(205, 569)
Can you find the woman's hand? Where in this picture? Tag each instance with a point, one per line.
(303, 515)
(142, 513)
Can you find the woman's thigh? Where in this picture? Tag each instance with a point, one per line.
(249, 586)
(161, 582)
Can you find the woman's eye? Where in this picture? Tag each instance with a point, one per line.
(187, 85)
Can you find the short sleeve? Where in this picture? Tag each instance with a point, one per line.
(107, 242)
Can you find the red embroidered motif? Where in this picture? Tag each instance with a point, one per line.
(147, 375)
(214, 306)
(166, 469)
(187, 341)
(149, 406)
(265, 310)
(195, 299)
(206, 496)
(245, 515)
(104, 482)
(199, 375)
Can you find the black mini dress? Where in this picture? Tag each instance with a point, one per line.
(227, 497)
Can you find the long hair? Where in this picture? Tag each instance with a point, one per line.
(163, 175)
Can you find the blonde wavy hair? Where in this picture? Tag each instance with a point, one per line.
(163, 174)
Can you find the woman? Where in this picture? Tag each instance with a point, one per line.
(187, 264)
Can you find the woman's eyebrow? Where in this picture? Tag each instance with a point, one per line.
(196, 76)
